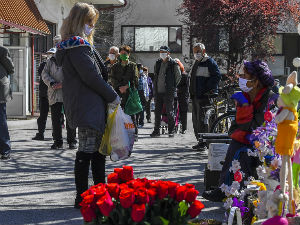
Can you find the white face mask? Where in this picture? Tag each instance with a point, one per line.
(112, 57)
(87, 29)
(141, 71)
(163, 55)
(243, 85)
(198, 56)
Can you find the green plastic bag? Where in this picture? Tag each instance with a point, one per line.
(133, 104)
(105, 147)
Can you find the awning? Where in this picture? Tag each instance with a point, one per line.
(24, 15)
(104, 2)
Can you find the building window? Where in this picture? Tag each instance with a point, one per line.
(150, 38)
(278, 41)
(11, 39)
(44, 43)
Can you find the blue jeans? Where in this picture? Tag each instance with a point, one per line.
(4, 135)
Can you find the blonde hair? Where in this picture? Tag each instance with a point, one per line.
(73, 25)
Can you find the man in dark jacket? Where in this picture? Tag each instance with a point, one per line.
(6, 70)
(167, 76)
(205, 77)
(43, 104)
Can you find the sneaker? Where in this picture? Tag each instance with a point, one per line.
(200, 145)
(38, 137)
(72, 145)
(149, 121)
(155, 133)
(56, 145)
(215, 196)
(6, 156)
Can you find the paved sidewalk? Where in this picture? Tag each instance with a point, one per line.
(37, 184)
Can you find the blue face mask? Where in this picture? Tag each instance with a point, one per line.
(87, 29)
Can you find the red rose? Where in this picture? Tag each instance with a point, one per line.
(99, 191)
(126, 197)
(181, 193)
(191, 195)
(172, 188)
(105, 204)
(189, 185)
(88, 213)
(195, 208)
(123, 186)
(142, 196)
(113, 178)
(162, 189)
(86, 193)
(138, 212)
(135, 184)
(113, 190)
(126, 174)
(118, 170)
(152, 195)
(87, 200)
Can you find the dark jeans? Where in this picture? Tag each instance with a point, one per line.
(57, 117)
(248, 163)
(44, 110)
(4, 135)
(168, 100)
(148, 109)
(198, 115)
(183, 102)
(140, 117)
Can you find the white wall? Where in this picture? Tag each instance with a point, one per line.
(149, 12)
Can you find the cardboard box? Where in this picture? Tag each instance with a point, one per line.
(216, 155)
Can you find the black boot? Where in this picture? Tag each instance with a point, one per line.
(38, 137)
(98, 168)
(81, 170)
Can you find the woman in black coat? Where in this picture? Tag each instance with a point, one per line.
(85, 92)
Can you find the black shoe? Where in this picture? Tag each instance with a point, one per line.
(77, 202)
(6, 156)
(215, 196)
(38, 137)
(56, 145)
(155, 133)
(72, 145)
(199, 146)
(171, 134)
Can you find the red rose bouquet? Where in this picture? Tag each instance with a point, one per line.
(125, 200)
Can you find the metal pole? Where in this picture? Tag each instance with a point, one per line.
(32, 75)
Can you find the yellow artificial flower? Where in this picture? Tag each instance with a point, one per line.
(255, 202)
(254, 218)
(262, 186)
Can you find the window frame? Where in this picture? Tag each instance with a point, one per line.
(154, 26)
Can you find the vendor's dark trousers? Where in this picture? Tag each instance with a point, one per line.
(168, 100)
(248, 163)
(198, 115)
(56, 117)
(148, 109)
(4, 135)
(81, 170)
(44, 110)
(183, 109)
(135, 122)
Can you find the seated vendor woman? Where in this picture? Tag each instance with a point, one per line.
(256, 98)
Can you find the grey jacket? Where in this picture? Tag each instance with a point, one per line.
(52, 73)
(6, 69)
(85, 92)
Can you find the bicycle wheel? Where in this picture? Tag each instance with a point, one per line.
(223, 123)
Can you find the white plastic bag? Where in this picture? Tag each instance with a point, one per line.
(122, 136)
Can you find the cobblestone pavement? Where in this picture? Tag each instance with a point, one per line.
(37, 184)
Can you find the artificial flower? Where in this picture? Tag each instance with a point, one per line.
(113, 178)
(105, 204)
(195, 208)
(138, 212)
(126, 197)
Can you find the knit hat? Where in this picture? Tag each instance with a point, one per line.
(164, 48)
(261, 71)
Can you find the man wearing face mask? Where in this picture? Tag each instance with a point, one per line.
(167, 76)
(112, 59)
(205, 77)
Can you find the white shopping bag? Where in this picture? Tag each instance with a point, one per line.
(122, 136)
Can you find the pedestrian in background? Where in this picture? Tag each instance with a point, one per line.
(183, 97)
(6, 70)
(85, 93)
(43, 103)
(150, 88)
(113, 55)
(53, 76)
(123, 72)
(167, 76)
(205, 77)
(143, 90)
